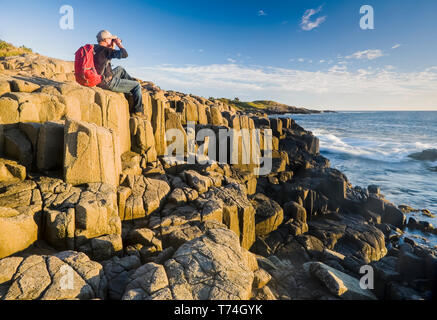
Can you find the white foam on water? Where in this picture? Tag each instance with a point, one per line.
(387, 150)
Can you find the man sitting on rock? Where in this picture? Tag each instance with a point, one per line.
(117, 79)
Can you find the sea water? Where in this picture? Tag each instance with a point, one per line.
(373, 148)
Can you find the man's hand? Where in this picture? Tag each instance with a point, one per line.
(118, 43)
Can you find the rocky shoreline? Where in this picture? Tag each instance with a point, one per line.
(86, 195)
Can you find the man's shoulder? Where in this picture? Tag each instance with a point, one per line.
(98, 48)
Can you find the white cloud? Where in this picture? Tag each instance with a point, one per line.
(231, 60)
(337, 69)
(336, 87)
(396, 46)
(262, 13)
(322, 61)
(301, 59)
(366, 54)
(309, 25)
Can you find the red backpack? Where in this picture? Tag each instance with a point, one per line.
(84, 68)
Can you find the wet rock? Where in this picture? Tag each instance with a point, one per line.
(385, 272)
(374, 189)
(410, 266)
(426, 155)
(394, 216)
(397, 291)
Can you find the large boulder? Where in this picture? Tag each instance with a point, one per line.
(118, 272)
(20, 216)
(18, 230)
(149, 282)
(295, 211)
(339, 283)
(64, 276)
(212, 267)
(350, 236)
(141, 196)
(8, 111)
(11, 171)
(216, 116)
(197, 181)
(84, 219)
(115, 116)
(143, 140)
(101, 107)
(38, 107)
(92, 154)
(18, 147)
(238, 211)
(394, 216)
(268, 214)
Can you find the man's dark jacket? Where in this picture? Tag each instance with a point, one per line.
(102, 61)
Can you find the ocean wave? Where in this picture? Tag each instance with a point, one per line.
(378, 150)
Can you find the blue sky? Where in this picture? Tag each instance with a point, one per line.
(255, 49)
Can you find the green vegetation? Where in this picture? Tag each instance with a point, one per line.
(8, 50)
(249, 106)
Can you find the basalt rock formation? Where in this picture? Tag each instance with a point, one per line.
(87, 192)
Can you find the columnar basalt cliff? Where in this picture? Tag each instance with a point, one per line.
(85, 186)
